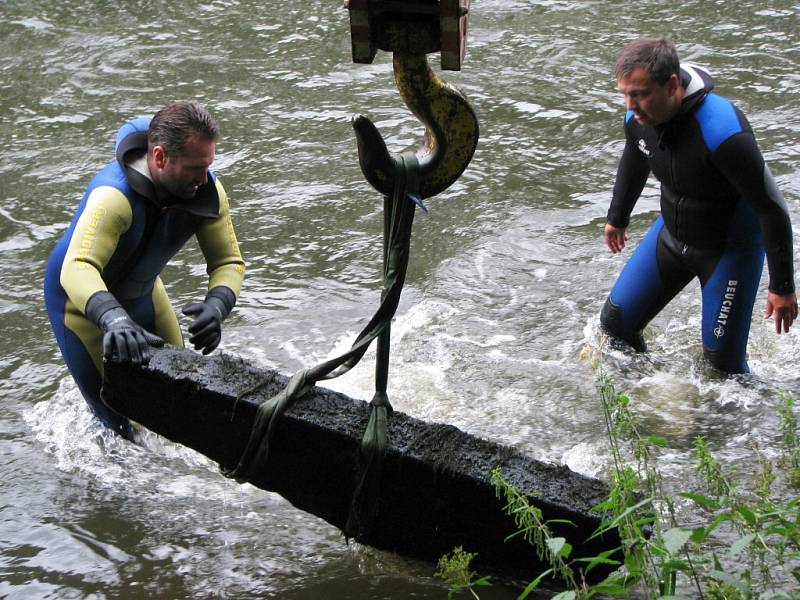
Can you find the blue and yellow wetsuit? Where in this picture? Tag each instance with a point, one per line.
(720, 212)
(119, 241)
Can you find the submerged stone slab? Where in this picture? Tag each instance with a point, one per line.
(435, 490)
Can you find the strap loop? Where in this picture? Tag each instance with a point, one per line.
(398, 219)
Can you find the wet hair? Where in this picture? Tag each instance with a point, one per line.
(179, 121)
(658, 56)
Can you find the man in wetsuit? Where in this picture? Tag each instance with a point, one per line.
(720, 208)
(103, 293)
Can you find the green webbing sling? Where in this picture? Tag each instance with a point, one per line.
(398, 218)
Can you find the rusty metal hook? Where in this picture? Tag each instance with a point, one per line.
(451, 130)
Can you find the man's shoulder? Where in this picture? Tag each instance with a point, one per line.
(111, 175)
(644, 136)
(217, 184)
(719, 119)
(631, 125)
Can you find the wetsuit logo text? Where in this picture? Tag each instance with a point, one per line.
(644, 149)
(725, 309)
(89, 236)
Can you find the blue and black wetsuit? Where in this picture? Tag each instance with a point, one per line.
(119, 241)
(720, 213)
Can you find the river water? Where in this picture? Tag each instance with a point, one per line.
(507, 275)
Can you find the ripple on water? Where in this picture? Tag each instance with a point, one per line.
(507, 277)
(220, 533)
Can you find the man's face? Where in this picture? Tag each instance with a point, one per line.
(652, 103)
(182, 174)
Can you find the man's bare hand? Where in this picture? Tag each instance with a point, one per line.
(784, 308)
(615, 237)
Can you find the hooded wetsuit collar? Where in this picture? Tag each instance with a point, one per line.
(697, 83)
(131, 149)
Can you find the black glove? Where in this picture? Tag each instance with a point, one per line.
(124, 340)
(206, 329)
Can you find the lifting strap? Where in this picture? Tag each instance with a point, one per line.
(398, 219)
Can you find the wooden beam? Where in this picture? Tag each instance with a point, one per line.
(435, 489)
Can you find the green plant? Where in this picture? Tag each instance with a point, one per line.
(534, 530)
(556, 550)
(455, 570)
(790, 460)
(662, 558)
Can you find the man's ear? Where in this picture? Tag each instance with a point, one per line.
(159, 156)
(673, 83)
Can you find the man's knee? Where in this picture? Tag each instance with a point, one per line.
(112, 419)
(726, 362)
(611, 323)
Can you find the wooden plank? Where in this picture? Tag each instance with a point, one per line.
(435, 489)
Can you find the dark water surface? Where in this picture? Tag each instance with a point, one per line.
(507, 276)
